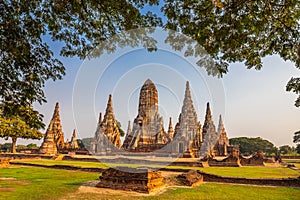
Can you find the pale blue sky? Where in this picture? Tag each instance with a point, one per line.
(253, 103)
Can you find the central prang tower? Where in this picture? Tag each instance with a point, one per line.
(148, 132)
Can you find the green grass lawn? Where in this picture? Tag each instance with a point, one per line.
(40, 183)
(43, 183)
(291, 160)
(210, 191)
(64, 162)
(253, 172)
(297, 165)
(246, 172)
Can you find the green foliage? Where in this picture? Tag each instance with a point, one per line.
(294, 86)
(80, 144)
(18, 121)
(27, 61)
(15, 127)
(6, 147)
(86, 143)
(21, 147)
(298, 148)
(239, 31)
(285, 149)
(252, 145)
(32, 146)
(230, 31)
(122, 133)
(296, 137)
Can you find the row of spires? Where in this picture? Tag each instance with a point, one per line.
(187, 113)
(108, 126)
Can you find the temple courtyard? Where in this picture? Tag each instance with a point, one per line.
(68, 179)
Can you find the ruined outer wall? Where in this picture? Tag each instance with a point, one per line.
(288, 182)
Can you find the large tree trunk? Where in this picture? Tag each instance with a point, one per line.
(13, 145)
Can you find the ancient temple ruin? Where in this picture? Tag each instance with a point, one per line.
(171, 130)
(73, 143)
(188, 133)
(221, 147)
(142, 180)
(54, 137)
(107, 136)
(54, 134)
(188, 138)
(210, 134)
(148, 132)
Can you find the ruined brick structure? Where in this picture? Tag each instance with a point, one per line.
(131, 179)
(210, 134)
(73, 143)
(148, 132)
(107, 136)
(188, 132)
(53, 138)
(221, 147)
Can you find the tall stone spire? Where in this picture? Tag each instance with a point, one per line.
(208, 116)
(171, 130)
(188, 127)
(56, 112)
(147, 132)
(100, 118)
(128, 137)
(107, 134)
(74, 144)
(148, 102)
(109, 113)
(223, 141)
(128, 128)
(221, 125)
(54, 136)
(210, 135)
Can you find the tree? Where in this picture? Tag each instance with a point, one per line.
(298, 148)
(19, 122)
(21, 147)
(296, 137)
(32, 146)
(6, 147)
(27, 61)
(297, 140)
(86, 143)
(285, 149)
(230, 31)
(239, 31)
(252, 145)
(122, 133)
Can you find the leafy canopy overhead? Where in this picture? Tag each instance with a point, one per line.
(230, 31)
(240, 31)
(26, 59)
(296, 137)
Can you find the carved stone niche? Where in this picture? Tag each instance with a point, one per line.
(143, 180)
